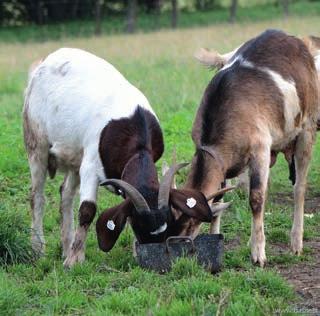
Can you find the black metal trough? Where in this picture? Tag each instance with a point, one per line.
(206, 248)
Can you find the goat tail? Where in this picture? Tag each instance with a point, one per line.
(211, 59)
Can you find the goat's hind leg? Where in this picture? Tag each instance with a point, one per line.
(259, 173)
(302, 156)
(68, 191)
(38, 161)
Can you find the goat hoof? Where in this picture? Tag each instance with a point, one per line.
(258, 257)
(296, 243)
(38, 245)
(259, 262)
(72, 259)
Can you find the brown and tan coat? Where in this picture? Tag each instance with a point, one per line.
(264, 100)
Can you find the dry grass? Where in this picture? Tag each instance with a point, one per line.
(179, 45)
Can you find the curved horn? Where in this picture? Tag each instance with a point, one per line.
(135, 196)
(222, 191)
(218, 208)
(165, 185)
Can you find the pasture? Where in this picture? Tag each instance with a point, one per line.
(162, 66)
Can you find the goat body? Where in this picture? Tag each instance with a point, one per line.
(71, 98)
(264, 99)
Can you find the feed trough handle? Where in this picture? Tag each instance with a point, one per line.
(176, 238)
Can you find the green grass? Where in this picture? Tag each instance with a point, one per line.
(115, 24)
(160, 65)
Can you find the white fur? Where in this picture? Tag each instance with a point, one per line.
(70, 98)
(230, 64)
(74, 95)
(290, 96)
(287, 88)
(161, 229)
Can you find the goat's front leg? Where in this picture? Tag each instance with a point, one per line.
(259, 173)
(302, 158)
(87, 211)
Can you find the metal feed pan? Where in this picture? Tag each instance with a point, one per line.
(206, 248)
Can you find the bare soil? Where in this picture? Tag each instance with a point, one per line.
(303, 276)
(312, 201)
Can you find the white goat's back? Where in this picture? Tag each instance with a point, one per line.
(73, 94)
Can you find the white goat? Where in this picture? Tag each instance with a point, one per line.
(70, 98)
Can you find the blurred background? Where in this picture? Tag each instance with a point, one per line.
(53, 19)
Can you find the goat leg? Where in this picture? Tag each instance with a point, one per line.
(259, 173)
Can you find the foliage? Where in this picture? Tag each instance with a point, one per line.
(39, 12)
(115, 24)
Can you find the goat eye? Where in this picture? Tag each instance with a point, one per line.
(191, 202)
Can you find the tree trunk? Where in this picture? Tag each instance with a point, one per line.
(97, 30)
(285, 4)
(40, 16)
(174, 17)
(233, 11)
(74, 9)
(157, 12)
(131, 15)
(200, 4)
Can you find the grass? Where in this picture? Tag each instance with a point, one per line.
(161, 65)
(116, 24)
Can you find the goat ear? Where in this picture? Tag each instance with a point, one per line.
(110, 224)
(192, 203)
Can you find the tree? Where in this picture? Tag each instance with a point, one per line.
(233, 11)
(97, 30)
(174, 17)
(151, 5)
(131, 15)
(205, 4)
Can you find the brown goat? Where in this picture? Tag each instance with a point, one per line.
(263, 100)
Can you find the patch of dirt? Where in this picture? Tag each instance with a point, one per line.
(305, 278)
(312, 203)
(232, 244)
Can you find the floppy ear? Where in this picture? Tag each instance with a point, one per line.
(110, 224)
(192, 203)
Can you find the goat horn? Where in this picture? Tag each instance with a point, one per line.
(222, 191)
(165, 185)
(135, 196)
(218, 208)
